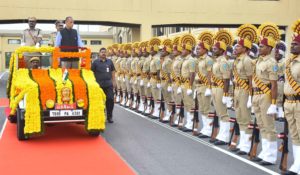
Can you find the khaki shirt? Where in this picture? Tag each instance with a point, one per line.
(188, 66)
(134, 64)
(146, 65)
(52, 39)
(244, 67)
(281, 68)
(266, 69)
(176, 66)
(155, 64)
(167, 65)
(118, 64)
(128, 65)
(140, 65)
(295, 71)
(123, 65)
(221, 68)
(31, 37)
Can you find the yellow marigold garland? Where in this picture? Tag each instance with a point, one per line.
(56, 75)
(29, 88)
(97, 98)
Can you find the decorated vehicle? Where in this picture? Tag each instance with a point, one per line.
(54, 95)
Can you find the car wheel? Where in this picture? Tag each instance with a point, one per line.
(21, 125)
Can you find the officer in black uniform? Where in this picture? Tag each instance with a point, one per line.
(104, 71)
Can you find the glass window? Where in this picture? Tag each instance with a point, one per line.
(96, 42)
(7, 59)
(14, 41)
(84, 42)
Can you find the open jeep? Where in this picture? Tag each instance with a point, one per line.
(54, 94)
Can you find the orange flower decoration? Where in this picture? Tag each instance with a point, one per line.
(46, 84)
(79, 85)
(86, 54)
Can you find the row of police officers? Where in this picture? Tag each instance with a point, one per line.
(184, 80)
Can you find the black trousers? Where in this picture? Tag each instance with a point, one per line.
(109, 92)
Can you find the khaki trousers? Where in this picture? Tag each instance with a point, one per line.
(221, 109)
(292, 115)
(203, 101)
(243, 114)
(266, 123)
(167, 95)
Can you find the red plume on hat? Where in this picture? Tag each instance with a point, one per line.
(296, 30)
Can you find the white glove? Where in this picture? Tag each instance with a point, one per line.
(189, 92)
(280, 112)
(207, 92)
(158, 85)
(272, 109)
(37, 45)
(148, 85)
(118, 78)
(135, 82)
(229, 102)
(142, 83)
(22, 44)
(179, 90)
(170, 89)
(224, 100)
(123, 79)
(230, 83)
(249, 102)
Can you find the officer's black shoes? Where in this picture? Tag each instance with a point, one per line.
(265, 163)
(241, 153)
(219, 142)
(184, 129)
(234, 149)
(256, 159)
(202, 136)
(12, 119)
(289, 173)
(109, 120)
(212, 140)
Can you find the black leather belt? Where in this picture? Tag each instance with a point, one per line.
(292, 97)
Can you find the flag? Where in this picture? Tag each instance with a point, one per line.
(65, 76)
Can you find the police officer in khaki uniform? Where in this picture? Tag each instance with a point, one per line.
(128, 75)
(140, 76)
(59, 25)
(117, 74)
(203, 83)
(148, 108)
(134, 80)
(292, 102)
(155, 67)
(265, 93)
(176, 83)
(123, 73)
(165, 73)
(220, 84)
(31, 37)
(188, 68)
(279, 56)
(242, 72)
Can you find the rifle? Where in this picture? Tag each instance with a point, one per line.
(215, 126)
(162, 107)
(181, 114)
(196, 116)
(284, 147)
(254, 140)
(235, 133)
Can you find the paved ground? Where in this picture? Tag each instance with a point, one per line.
(154, 148)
